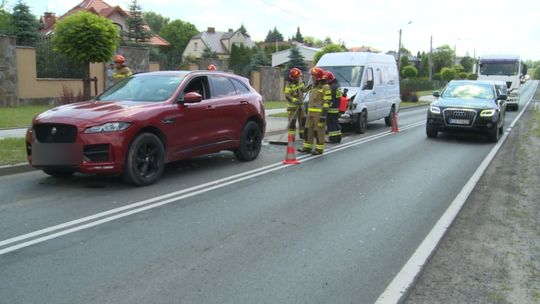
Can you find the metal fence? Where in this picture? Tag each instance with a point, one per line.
(53, 64)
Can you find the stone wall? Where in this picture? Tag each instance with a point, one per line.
(272, 83)
(8, 72)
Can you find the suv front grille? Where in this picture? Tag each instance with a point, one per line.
(55, 133)
(459, 117)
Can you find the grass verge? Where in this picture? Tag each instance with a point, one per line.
(275, 105)
(20, 117)
(12, 151)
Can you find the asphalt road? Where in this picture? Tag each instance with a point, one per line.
(334, 229)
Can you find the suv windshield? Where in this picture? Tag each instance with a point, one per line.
(143, 88)
(347, 76)
(469, 91)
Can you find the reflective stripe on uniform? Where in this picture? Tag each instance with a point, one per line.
(319, 147)
(333, 111)
(334, 133)
(314, 110)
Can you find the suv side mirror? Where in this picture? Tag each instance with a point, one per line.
(502, 97)
(437, 94)
(191, 97)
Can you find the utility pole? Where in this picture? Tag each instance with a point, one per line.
(399, 50)
(430, 58)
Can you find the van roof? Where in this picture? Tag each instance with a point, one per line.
(354, 58)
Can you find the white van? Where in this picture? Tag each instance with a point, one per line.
(373, 86)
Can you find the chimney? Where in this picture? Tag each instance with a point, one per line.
(48, 18)
(230, 30)
(211, 30)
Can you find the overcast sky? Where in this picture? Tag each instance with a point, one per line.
(473, 27)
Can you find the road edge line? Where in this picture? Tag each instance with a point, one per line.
(399, 287)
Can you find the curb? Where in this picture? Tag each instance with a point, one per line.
(14, 169)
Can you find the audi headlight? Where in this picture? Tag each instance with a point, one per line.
(435, 110)
(487, 113)
(108, 127)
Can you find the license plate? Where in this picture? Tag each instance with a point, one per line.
(459, 121)
(56, 154)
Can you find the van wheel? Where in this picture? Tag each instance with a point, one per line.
(360, 123)
(250, 142)
(389, 120)
(145, 160)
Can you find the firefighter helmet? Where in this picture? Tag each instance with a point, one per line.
(212, 67)
(317, 72)
(329, 76)
(119, 59)
(295, 73)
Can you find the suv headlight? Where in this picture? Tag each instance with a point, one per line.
(435, 110)
(108, 127)
(487, 113)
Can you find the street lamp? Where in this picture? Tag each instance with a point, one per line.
(399, 49)
(454, 63)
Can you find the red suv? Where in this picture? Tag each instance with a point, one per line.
(145, 121)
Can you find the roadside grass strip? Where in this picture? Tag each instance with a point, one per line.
(12, 151)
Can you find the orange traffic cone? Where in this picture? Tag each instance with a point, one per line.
(395, 124)
(290, 158)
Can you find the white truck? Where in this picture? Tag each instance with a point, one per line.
(507, 68)
(373, 86)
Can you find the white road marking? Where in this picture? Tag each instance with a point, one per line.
(52, 232)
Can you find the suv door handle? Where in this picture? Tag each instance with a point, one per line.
(210, 107)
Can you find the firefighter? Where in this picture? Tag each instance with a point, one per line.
(319, 98)
(120, 68)
(294, 93)
(334, 129)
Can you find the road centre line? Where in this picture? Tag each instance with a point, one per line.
(401, 284)
(45, 234)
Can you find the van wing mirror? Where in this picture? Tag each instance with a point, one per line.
(368, 85)
(502, 97)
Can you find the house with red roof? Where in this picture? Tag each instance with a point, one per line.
(99, 7)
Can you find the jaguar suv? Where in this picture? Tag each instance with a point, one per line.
(147, 120)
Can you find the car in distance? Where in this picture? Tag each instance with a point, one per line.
(145, 121)
(468, 105)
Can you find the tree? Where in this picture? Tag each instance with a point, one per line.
(467, 63)
(273, 36)
(259, 59)
(239, 60)
(298, 37)
(137, 30)
(424, 65)
(86, 37)
(327, 41)
(442, 57)
(409, 72)
(243, 30)
(447, 74)
(6, 27)
(155, 21)
(25, 25)
(296, 60)
(177, 33)
(331, 48)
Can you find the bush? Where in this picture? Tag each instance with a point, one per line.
(447, 74)
(472, 76)
(463, 75)
(409, 72)
(436, 76)
(536, 74)
(69, 97)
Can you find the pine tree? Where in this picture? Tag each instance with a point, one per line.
(296, 60)
(273, 36)
(137, 29)
(260, 59)
(298, 37)
(243, 30)
(25, 25)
